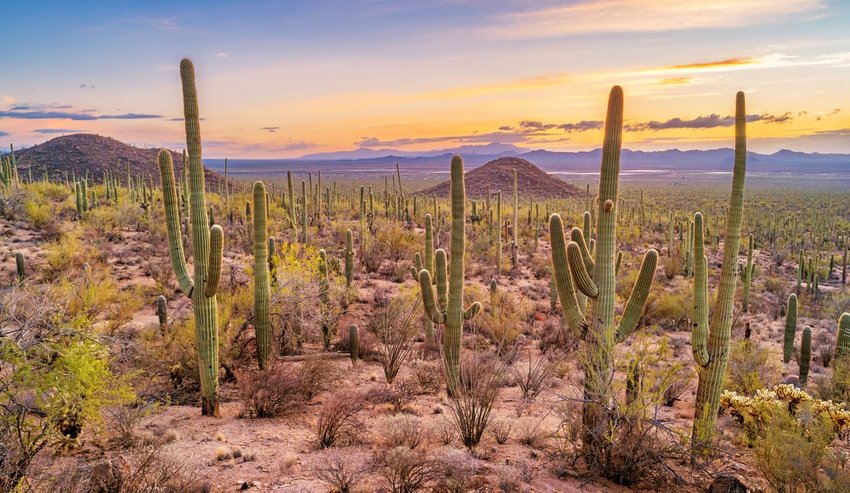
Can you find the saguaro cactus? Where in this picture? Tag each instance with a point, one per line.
(324, 298)
(573, 265)
(710, 340)
(448, 309)
(162, 313)
(262, 288)
(348, 255)
(20, 266)
(842, 339)
(805, 355)
(206, 244)
(354, 344)
(515, 225)
(790, 328)
(747, 276)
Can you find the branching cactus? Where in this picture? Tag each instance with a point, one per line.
(448, 308)
(805, 355)
(790, 328)
(710, 340)
(262, 287)
(747, 276)
(595, 278)
(206, 245)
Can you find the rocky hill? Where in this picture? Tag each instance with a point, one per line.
(498, 175)
(79, 153)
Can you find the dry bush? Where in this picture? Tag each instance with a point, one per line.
(825, 345)
(751, 367)
(532, 377)
(342, 470)
(403, 431)
(400, 395)
(339, 419)
(445, 432)
(457, 472)
(408, 471)
(124, 421)
(669, 309)
(371, 255)
(395, 333)
(428, 375)
(501, 322)
(531, 433)
(284, 388)
(501, 431)
(472, 400)
(148, 470)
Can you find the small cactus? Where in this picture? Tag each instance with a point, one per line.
(354, 344)
(805, 355)
(162, 313)
(20, 266)
(790, 328)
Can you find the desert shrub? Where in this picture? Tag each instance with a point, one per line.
(342, 470)
(39, 215)
(531, 377)
(371, 254)
(637, 446)
(836, 388)
(472, 400)
(428, 375)
(673, 264)
(836, 304)
(669, 309)
(501, 322)
(395, 333)
(143, 471)
(402, 431)
(408, 471)
(49, 390)
(397, 242)
(445, 432)
(295, 315)
(124, 421)
(501, 431)
(751, 367)
(68, 254)
(825, 346)
(284, 388)
(457, 472)
(12, 205)
(339, 419)
(399, 395)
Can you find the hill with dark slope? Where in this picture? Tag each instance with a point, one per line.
(498, 175)
(79, 153)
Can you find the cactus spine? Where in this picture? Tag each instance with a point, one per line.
(747, 276)
(805, 355)
(572, 270)
(206, 245)
(262, 289)
(790, 328)
(448, 309)
(710, 341)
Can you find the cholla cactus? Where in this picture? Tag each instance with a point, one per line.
(206, 244)
(448, 308)
(594, 277)
(710, 341)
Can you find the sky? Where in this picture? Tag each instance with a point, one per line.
(283, 79)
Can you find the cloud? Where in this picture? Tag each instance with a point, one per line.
(221, 54)
(840, 132)
(3, 134)
(676, 81)
(270, 129)
(299, 145)
(48, 131)
(729, 62)
(581, 126)
(710, 121)
(49, 112)
(86, 86)
(600, 16)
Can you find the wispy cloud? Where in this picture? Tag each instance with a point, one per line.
(221, 54)
(598, 16)
(270, 129)
(729, 62)
(50, 131)
(701, 122)
(61, 112)
(3, 134)
(676, 81)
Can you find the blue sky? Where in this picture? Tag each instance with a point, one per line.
(281, 79)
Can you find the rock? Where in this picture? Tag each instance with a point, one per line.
(727, 484)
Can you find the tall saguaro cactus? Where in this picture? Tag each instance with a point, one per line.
(207, 242)
(747, 276)
(710, 340)
(262, 288)
(448, 309)
(790, 328)
(595, 278)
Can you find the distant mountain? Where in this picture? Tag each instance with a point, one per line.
(494, 149)
(499, 175)
(80, 153)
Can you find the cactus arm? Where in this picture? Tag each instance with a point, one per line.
(637, 300)
(417, 262)
(566, 291)
(172, 222)
(429, 243)
(431, 310)
(472, 311)
(580, 275)
(577, 236)
(214, 261)
(619, 261)
(699, 335)
(441, 276)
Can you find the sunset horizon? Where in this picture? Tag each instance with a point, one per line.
(281, 81)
